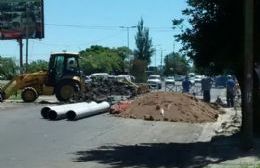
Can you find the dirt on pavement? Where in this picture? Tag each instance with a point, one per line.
(165, 106)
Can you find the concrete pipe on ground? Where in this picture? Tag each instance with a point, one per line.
(45, 111)
(60, 113)
(81, 111)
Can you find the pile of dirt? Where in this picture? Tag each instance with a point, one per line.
(175, 107)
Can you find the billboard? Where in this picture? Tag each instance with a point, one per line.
(20, 19)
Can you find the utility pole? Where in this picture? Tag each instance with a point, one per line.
(247, 125)
(155, 58)
(20, 43)
(127, 37)
(162, 61)
(155, 61)
(27, 40)
(161, 57)
(127, 30)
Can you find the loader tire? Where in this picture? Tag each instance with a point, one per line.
(65, 91)
(29, 94)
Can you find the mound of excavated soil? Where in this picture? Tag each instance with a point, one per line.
(175, 107)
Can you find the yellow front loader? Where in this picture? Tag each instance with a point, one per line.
(63, 79)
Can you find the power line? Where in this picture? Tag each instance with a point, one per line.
(159, 28)
(115, 35)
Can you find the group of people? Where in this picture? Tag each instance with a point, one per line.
(206, 85)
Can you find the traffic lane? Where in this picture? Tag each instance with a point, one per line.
(28, 141)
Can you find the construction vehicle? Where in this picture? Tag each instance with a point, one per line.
(63, 79)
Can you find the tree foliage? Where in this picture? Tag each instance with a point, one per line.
(176, 64)
(216, 38)
(8, 68)
(216, 34)
(143, 42)
(103, 59)
(38, 65)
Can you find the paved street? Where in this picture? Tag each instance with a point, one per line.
(28, 141)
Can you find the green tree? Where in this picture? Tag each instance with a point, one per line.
(143, 42)
(176, 64)
(36, 66)
(103, 59)
(216, 38)
(8, 68)
(143, 53)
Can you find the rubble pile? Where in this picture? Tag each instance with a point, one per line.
(103, 89)
(163, 106)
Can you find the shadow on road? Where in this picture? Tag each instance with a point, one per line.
(197, 154)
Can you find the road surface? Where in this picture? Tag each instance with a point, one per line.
(28, 141)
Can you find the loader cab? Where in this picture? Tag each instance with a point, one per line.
(63, 65)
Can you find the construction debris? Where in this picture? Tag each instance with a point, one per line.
(120, 107)
(104, 89)
(163, 106)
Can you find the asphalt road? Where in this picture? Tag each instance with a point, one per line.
(28, 141)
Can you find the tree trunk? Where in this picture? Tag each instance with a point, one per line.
(138, 70)
(256, 111)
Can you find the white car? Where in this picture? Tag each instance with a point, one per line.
(169, 80)
(154, 81)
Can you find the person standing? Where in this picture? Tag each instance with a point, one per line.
(206, 84)
(186, 84)
(230, 86)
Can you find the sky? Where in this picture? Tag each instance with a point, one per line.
(78, 24)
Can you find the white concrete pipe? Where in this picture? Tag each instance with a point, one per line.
(81, 111)
(60, 113)
(46, 110)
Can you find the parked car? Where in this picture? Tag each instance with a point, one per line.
(154, 81)
(169, 80)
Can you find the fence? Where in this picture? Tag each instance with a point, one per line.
(196, 90)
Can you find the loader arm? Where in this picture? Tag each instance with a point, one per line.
(35, 80)
(9, 89)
